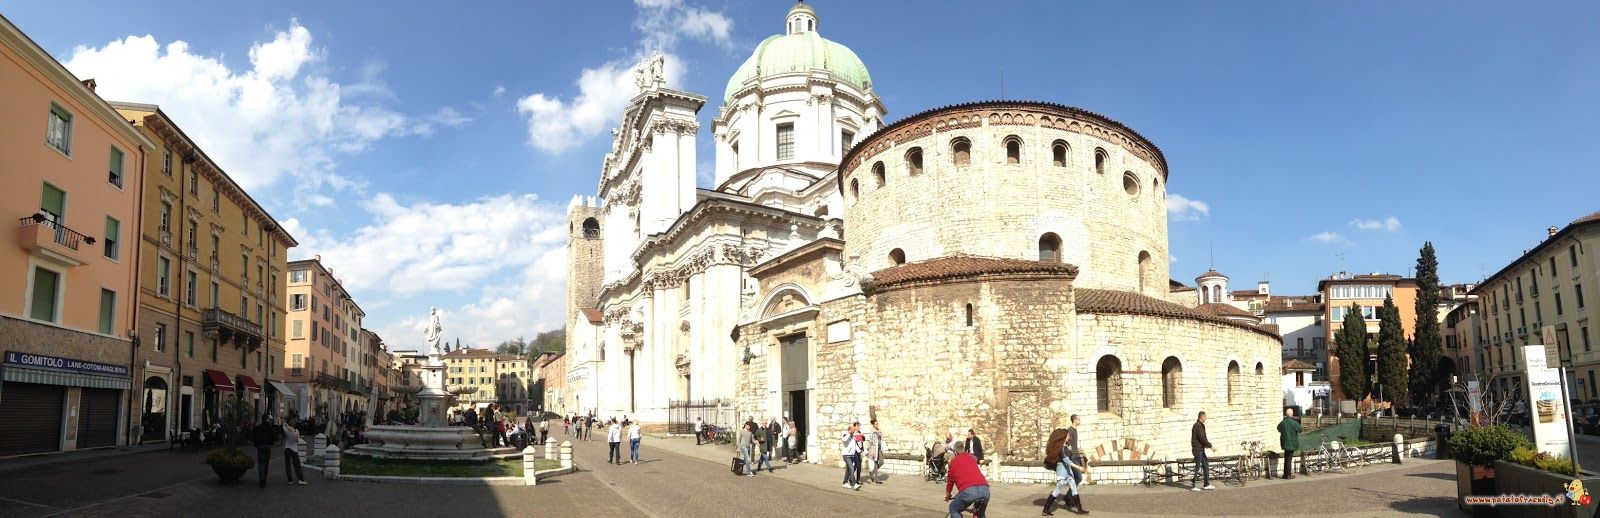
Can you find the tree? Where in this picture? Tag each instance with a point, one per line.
(517, 346)
(1426, 344)
(1391, 352)
(1350, 346)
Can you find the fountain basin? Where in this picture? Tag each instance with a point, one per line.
(427, 442)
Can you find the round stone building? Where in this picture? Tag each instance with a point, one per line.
(1001, 266)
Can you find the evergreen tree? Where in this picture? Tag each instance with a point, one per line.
(1426, 344)
(1350, 346)
(1391, 352)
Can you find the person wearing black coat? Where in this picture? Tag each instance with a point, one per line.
(264, 436)
(974, 445)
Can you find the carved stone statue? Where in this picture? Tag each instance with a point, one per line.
(651, 73)
(431, 332)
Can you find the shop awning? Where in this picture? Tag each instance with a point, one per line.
(248, 384)
(281, 388)
(219, 380)
(15, 374)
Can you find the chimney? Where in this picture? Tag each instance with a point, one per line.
(1551, 230)
(1263, 288)
(318, 257)
(90, 84)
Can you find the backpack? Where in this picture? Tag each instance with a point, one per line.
(1053, 447)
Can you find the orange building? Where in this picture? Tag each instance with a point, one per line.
(1341, 291)
(73, 173)
(324, 349)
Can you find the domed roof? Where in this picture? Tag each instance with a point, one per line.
(800, 51)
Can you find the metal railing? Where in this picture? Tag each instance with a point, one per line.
(62, 235)
(216, 316)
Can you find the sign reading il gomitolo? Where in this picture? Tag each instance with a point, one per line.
(65, 364)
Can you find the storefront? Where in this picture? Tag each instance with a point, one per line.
(49, 403)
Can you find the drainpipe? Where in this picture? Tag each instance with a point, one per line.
(133, 299)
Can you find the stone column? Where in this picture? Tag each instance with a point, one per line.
(1396, 450)
(321, 445)
(566, 455)
(330, 469)
(529, 472)
(550, 448)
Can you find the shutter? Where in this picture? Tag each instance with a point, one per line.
(97, 417)
(30, 418)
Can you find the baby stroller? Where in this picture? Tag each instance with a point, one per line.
(934, 458)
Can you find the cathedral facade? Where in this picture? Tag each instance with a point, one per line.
(996, 266)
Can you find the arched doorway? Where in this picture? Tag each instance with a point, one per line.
(153, 409)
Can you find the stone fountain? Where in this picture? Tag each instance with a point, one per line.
(431, 438)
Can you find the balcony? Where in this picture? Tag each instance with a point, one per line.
(192, 253)
(215, 264)
(333, 382)
(52, 241)
(229, 327)
(1300, 352)
(166, 237)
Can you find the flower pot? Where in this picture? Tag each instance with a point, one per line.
(228, 473)
(1512, 478)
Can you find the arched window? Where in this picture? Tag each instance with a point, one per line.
(1233, 380)
(1146, 273)
(914, 161)
(1108, 384)
(1171, 376)
(877, 173)
(1050, 247)
(855, 189)
(1130, 183)
(1013, 150)
(897, 256)
(961, 151)
(1058, 153)
(1099, 160)
(591, 229)
(1155, 184)
(1260, 369)
(969, 315)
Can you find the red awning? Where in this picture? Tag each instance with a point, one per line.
(219, 380)
(248, 384)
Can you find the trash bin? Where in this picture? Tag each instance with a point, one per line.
(1442, 449)
(1272, 463)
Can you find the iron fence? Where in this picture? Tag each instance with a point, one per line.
(681, 414)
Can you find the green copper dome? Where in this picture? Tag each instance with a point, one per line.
(800, 52)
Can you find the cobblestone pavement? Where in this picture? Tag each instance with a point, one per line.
(676, 478)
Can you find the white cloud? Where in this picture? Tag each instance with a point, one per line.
(1327, 237)
(499, 90)
(1389, 224)
(1180, 208)
(556, 125)
(278, 117)
(506, 253)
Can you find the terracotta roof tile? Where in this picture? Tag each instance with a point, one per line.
(1287, 304)
(960, 266)
(1270, 328)
(1218, 309)
(1298, 365)
(1211, 273)
(1592, 217)
(1116, 302)
(593, 315)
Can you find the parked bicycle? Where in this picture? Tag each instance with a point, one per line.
(1250, 465)
(1325, 458)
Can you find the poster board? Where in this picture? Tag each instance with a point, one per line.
(1547, 406)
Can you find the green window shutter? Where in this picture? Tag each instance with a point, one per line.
(108, 311)
(44, 294)
(54, 201)
(116, 166)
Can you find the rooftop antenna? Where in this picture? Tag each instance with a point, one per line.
(1213, 264)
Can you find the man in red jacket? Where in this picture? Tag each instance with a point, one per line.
(965, 477)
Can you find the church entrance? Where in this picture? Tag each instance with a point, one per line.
(796, 378)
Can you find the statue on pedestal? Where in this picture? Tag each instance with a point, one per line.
(432, 331)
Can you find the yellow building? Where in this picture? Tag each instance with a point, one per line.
(72, 170)
(211, 304)
(513, 381)
(466, 367)
(324, 350)
(1552, 285)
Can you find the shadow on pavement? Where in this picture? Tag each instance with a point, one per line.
(1440, 476)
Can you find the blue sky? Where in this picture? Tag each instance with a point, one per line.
(428, 153)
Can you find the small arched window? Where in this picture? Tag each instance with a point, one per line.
(1058, 153)
(1050, 247)
(961, 151)
(1099, 160)
(1130, 183)
(914, 161)
(591, 228)
(1260, 369)
(897, 256)
(878, 173)
(969, 315)
(855, 189)
(1155, 184)
(1171, 376)
(1233, 380)
(1146, 275)
(1013, 150)
(1108, 384)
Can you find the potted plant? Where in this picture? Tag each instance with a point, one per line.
(1531, 472)
(228, 462)
(1481, 441)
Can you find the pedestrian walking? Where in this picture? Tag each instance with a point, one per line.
(790, 440)
(1062, 457)
(633, 442)
(544, 430)
(1289, 439)
(966, 479)
(291, 455)
(1198, 444)
(699, 430)
(873, 452)
(264, 436)
(614, 437)
(851, 449)
(747, 440)
(764, 441)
